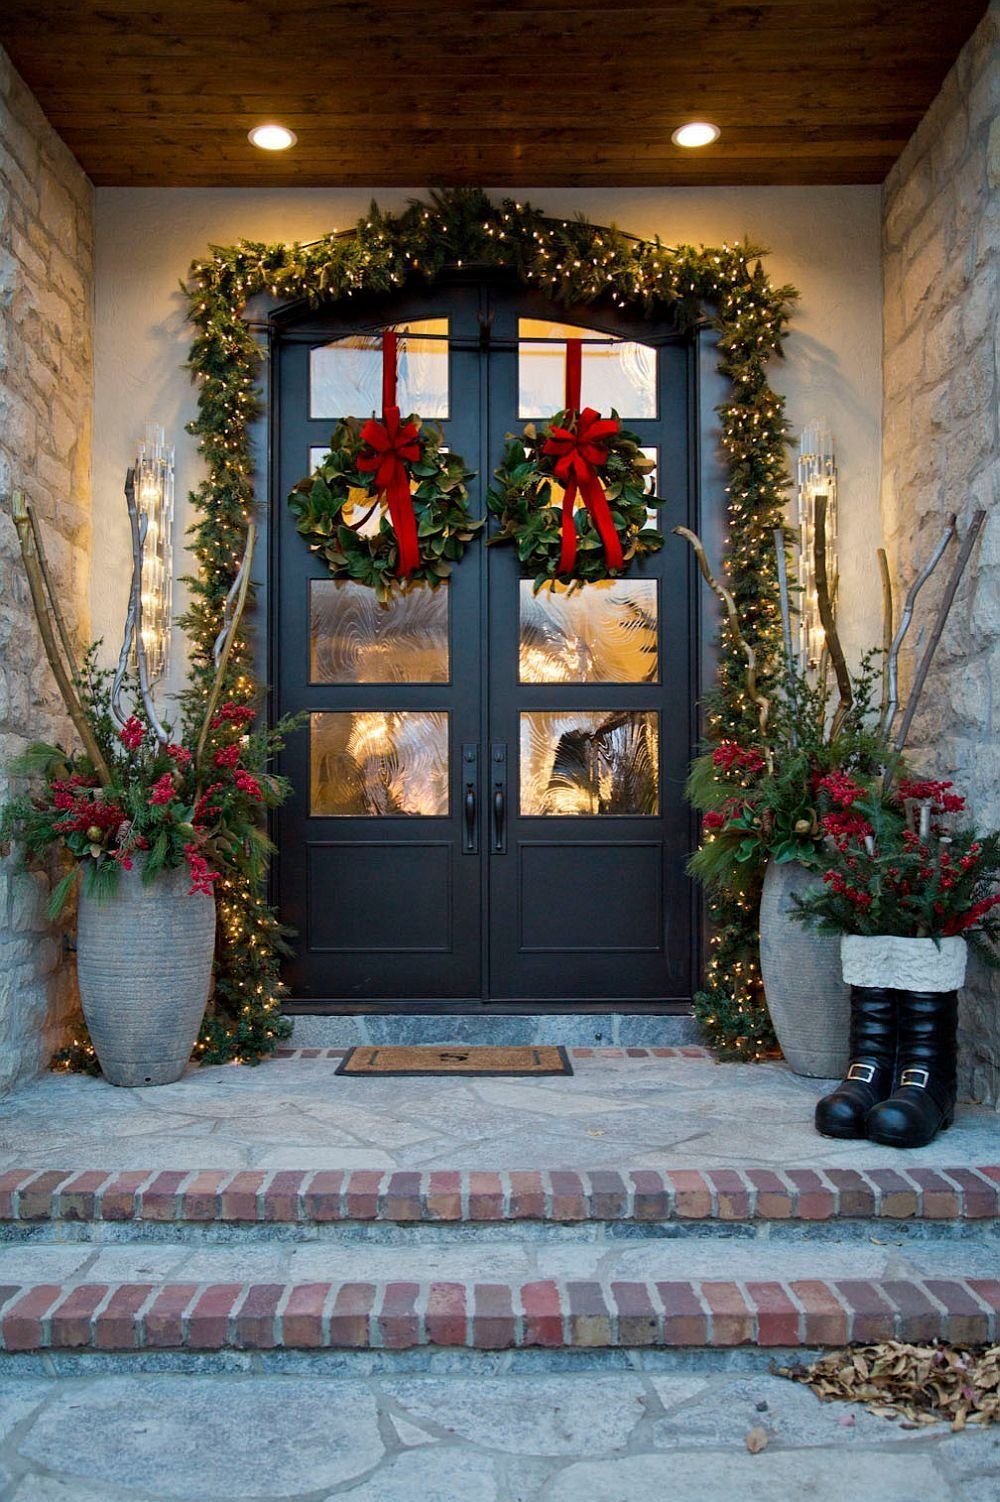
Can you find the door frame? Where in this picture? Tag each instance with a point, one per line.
(266, 317)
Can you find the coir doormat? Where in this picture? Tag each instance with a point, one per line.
(426, 1058)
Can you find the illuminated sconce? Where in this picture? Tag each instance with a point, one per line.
(154, 493)
(816, 477)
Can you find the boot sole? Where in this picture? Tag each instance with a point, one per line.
(843, 1136)
(887, 1140)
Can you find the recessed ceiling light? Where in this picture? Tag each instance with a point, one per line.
(697, 133)
(272, 137)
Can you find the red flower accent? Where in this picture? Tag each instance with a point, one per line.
(729, 757)
(715, 819)
(228, 756)
(203, 809)
(179, 754)
(202, 875)
(163, 790)
(132, 733)
(248, 785)
(842, 789)
(962, 921)
(844, 827)
(233, 714)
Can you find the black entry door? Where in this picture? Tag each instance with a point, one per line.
(488, 794)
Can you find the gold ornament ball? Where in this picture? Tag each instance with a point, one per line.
(94, 833)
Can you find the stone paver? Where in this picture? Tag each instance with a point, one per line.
(677, 1111)
(469, 1438)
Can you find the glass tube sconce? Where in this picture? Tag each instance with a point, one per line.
(154, 490)
(816, 478)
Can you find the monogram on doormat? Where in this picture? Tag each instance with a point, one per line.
(425, 1058)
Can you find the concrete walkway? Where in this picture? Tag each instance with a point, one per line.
(575, 1437)
(620, 1109)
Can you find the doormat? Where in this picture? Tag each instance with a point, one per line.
(425, 1058)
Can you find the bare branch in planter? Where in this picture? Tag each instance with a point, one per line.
(828, 620)
(232, 614)
(883, 568)
(53, 597)
(781, 558)
(28, 538)
(944, 609)
(892, 666)
(133, 622)
(762, 702)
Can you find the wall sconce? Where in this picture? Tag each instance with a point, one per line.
(816, 477)
(154, 493)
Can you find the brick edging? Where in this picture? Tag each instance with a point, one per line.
(494, 1316)
(299, 1196)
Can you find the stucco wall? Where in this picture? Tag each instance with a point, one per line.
(46, 390)
(824, 240)
(941, 245)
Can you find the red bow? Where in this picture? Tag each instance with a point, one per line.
(578, 458)
(394, 446)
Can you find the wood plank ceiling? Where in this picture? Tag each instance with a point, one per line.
(507, 94)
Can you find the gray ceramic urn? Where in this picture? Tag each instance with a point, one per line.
(809, 1003)
(144, 963)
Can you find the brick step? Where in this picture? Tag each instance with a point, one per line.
(553, 1313)
(39, 1196)
(566, 1293)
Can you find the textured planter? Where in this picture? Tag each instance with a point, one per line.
(144, 963)
(809, 1003)
(904, 964)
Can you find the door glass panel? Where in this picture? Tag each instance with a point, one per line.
(355, 639)
(378, 762)
(590, 762)
(604, 632)
(345, 376)
(616, 373)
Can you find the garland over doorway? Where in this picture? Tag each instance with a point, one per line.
(574, 263)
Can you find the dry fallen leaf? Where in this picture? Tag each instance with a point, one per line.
(757, 1439)
(921, 1384)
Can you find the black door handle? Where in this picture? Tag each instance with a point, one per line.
(470, 816)
(498, 813)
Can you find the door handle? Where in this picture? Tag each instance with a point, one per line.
(470, 816)
(498, 816)
(470, 798)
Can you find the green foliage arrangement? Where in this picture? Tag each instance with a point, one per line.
(897, 864)
(530, 515)
(574, 263)
(333, 503)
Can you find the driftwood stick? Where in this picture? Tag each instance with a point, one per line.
(883, 568)
(762, 702)
(944, 609)
(53, 598)
(232, 614)
(892, 667)
(36, 585)
(781, 559)
(824, 603)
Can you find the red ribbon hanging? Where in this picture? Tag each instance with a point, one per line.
(579, 455)
(394, 447)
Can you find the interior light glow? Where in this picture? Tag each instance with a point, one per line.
(695, 133)
(272, 137)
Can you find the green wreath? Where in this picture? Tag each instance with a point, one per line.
(333, 504)
(532, 519)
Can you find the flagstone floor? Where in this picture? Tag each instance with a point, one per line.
(580, 1437)
(625, 1108)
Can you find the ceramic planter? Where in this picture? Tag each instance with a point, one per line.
(144, 963)
(808, 1001)
(903, 964)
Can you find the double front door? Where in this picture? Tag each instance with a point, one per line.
(488, 800)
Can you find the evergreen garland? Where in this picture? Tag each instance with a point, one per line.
(573, 263)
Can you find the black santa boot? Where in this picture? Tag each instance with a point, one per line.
(923, 1104)
(870, 1074)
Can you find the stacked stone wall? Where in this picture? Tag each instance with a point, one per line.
(941, 253)
(46, 400)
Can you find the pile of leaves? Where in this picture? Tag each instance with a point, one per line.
(920, 1384)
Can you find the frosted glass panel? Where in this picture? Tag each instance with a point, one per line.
(604, 632)
(345, 376)
(615, 373)
(378, 762)
(355, 639)
(590, 762)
